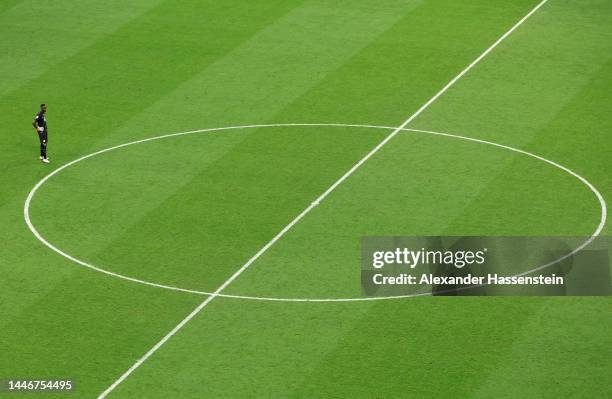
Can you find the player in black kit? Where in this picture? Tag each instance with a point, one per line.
(40, 124)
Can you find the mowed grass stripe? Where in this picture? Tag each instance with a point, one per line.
(322, 350)
(536, 100)
(532, 79)
(122, 73)
(8, 4)
(38, 35)
(545, 356)
(255, 82)
(393, 76)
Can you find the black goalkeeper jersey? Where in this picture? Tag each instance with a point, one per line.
(41, 120)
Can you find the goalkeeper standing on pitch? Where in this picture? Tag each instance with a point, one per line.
(40, 124)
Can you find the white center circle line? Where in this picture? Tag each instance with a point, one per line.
(26, 209)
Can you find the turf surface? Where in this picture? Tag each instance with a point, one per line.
(189, 211)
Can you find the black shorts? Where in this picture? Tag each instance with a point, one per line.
(42, 136)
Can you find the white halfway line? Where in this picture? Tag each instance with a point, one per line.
(312, 205)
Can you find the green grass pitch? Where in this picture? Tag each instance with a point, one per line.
(189, 211)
